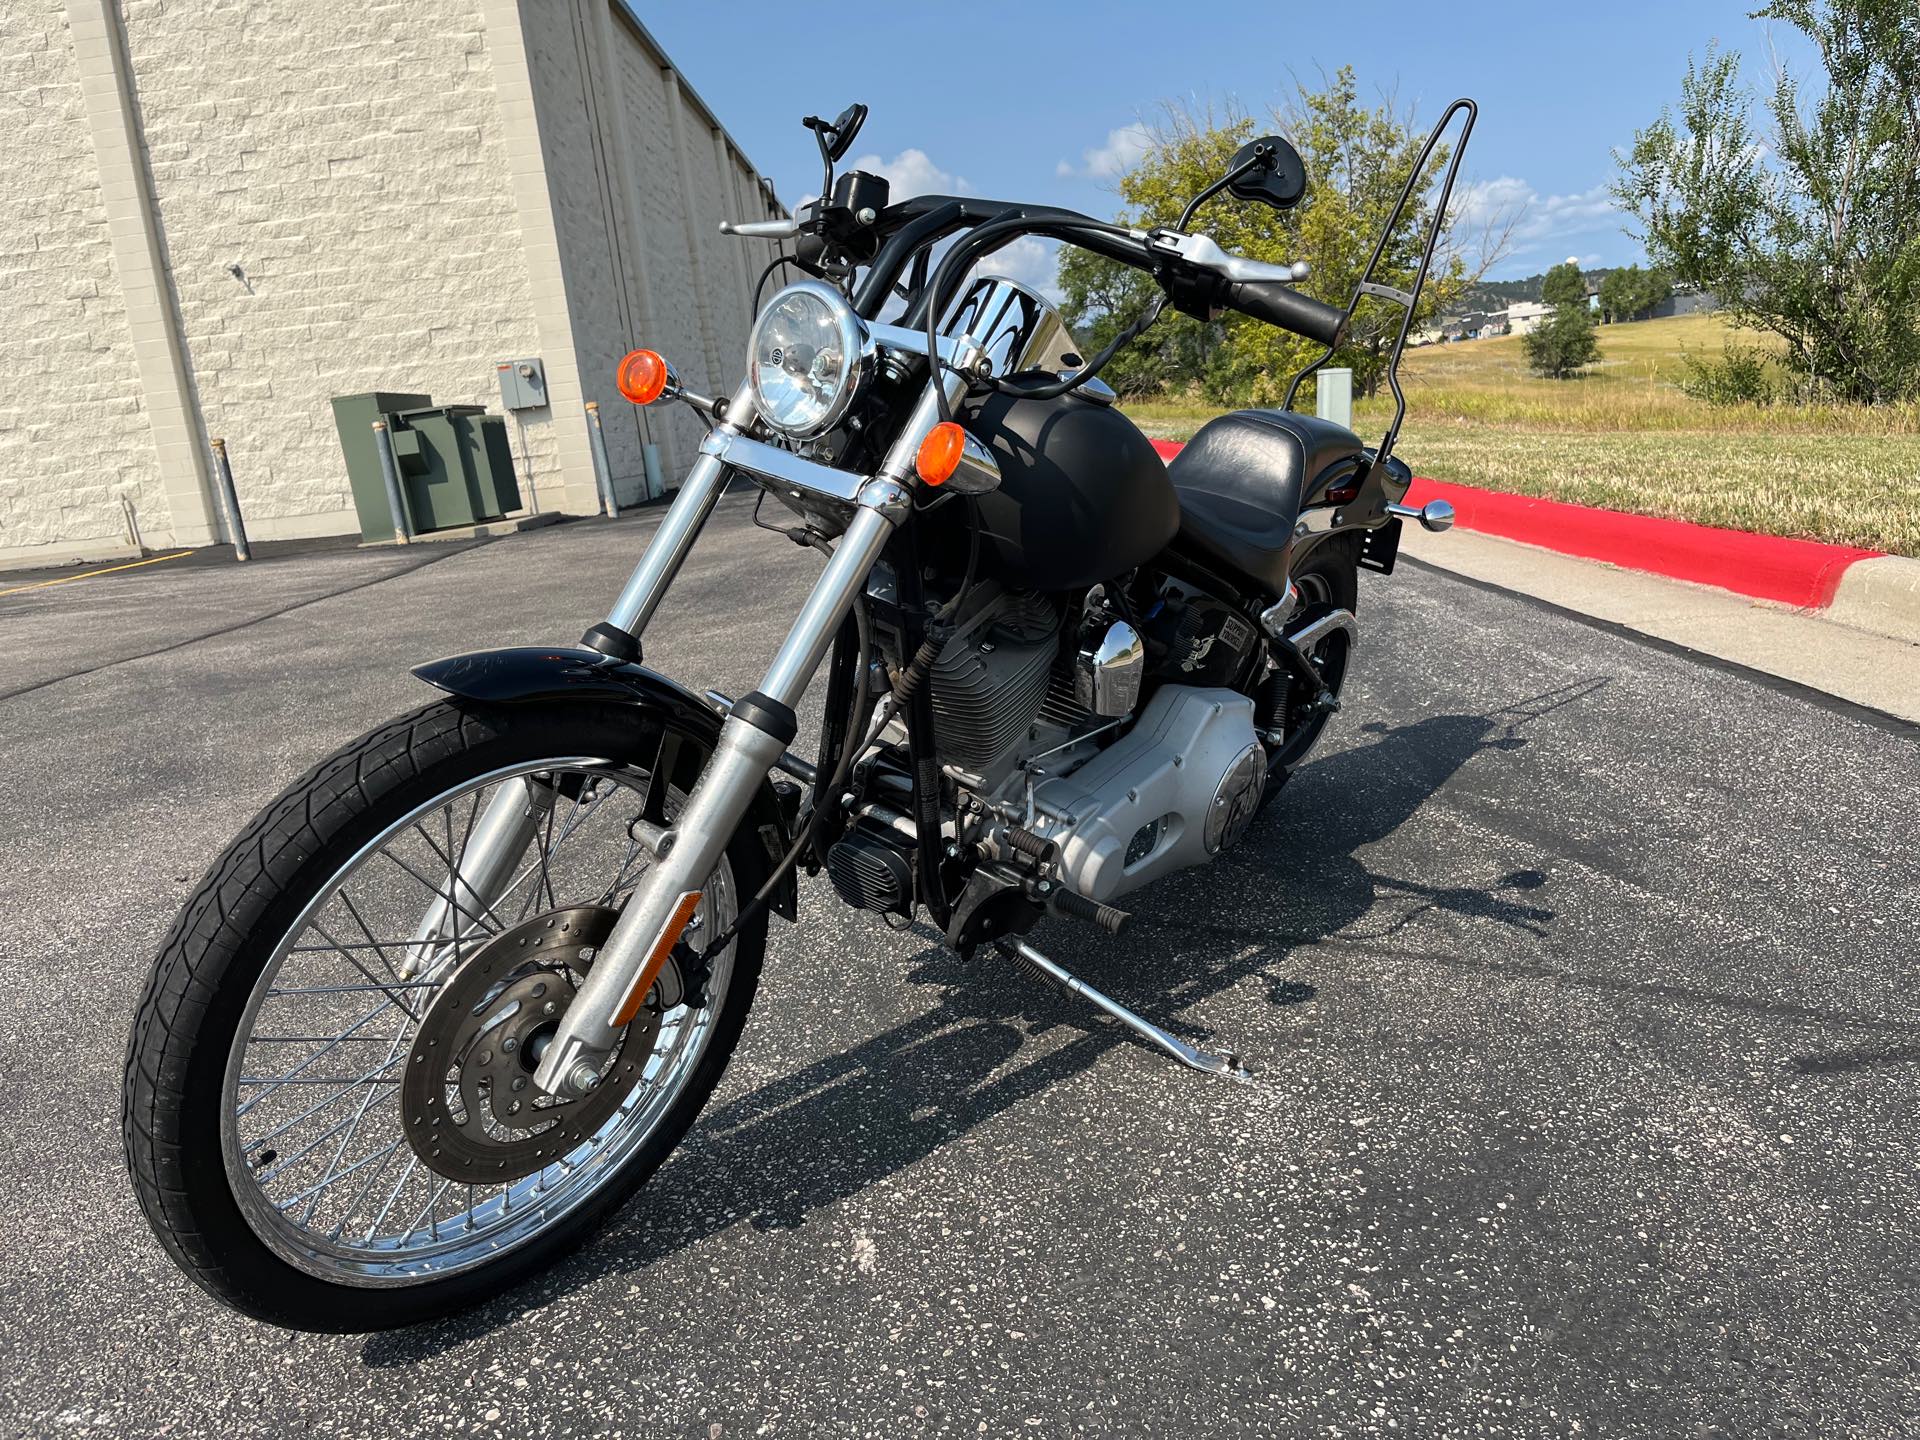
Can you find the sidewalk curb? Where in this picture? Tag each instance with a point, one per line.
(1881, 594)
(1804, 573)
(1860, 588)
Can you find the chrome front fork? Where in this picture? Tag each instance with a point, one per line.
(756, 733)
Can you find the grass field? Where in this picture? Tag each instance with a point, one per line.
(1625, 437)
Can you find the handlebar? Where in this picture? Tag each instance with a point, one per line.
(1275, 303)
(1252, 287)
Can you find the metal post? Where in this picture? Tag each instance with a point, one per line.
(229, 501)
(390, 473)
(1333, 396)
(602, 471)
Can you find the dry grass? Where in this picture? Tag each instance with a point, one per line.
(1625, 437)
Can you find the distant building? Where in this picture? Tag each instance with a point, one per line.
(1685, 302)
(1526, 315)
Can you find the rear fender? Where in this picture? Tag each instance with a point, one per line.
(544, 673)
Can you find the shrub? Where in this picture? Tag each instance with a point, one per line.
(1743, 375)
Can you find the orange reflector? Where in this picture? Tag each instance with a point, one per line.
(663, 947)
(940, 453)
(642, 377)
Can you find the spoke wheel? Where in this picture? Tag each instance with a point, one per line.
(308, 1033)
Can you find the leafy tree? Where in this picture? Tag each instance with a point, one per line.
(1562, 343)
(1564, 285)
(1629, 292)
(1809, 228)
(1357, 158)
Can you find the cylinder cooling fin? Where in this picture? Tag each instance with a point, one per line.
(991, 678)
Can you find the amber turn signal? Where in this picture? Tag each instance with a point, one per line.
(940, 453)
(642, 377)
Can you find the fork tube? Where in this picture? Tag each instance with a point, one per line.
(756, 733)
(486, 862)
(648, 583)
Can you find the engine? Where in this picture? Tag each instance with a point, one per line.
(1116, 794)
(1082, 755)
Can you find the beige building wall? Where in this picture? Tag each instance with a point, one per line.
(75, 435)
(641, 176)
(216, 216)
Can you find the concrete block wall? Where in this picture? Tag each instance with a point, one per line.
(74, 431)
(351, 160)
(641, 176)
(215, 215)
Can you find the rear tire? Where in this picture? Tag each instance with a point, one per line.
(177, 1094)
(1328, 579)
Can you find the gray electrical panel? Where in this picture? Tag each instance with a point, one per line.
(523, 384)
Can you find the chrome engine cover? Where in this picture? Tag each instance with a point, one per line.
(1180, 786)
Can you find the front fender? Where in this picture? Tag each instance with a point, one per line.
(524, 673)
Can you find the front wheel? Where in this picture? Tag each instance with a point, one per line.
(328, 1112)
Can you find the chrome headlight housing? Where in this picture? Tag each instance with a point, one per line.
(807, 357)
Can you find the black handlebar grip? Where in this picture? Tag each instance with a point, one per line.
(1286, 307)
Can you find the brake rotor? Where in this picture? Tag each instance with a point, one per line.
(472, 1110)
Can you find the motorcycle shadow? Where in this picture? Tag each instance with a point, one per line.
(802, 1142)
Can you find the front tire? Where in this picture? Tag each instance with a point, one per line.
(224, 979)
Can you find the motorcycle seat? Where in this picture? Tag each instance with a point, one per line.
(1241, 481)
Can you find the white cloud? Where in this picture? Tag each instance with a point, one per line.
(1121, 151)
(1540, 217)
(911, 173)
(1032, 261)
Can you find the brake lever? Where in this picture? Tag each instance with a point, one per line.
(762, 229)
(1204, 253)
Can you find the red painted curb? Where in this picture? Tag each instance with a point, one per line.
(1767, 567)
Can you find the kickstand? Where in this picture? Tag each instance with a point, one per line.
(1028, 958)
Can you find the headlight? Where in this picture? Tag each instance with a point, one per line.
(807, 356)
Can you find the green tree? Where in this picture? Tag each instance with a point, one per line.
(1564, 285)
(1629, 292)
(1810, 227)
(1357, 158)
(1563, 343)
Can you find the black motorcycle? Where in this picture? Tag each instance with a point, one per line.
(455, 994)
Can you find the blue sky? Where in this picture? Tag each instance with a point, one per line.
(1034, 101)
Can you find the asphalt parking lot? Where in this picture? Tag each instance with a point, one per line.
(1577, 974)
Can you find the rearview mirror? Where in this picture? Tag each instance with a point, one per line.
(846, 125)
(1280, 177)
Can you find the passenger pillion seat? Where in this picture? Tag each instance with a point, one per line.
(1242, 480)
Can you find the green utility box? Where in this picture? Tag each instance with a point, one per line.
(456, 466)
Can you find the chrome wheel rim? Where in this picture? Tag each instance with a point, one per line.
(311, 1134)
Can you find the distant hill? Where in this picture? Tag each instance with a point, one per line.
(1490, 295)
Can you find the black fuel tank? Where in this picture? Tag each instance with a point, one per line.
(1083, 495)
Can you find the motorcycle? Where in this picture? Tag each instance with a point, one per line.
(460, 990)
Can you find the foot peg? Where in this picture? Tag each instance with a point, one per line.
(1072, 906)
(1028, 958)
